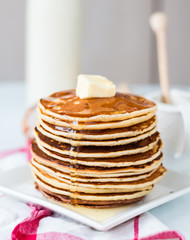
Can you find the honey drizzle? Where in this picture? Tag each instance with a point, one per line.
(73, 175)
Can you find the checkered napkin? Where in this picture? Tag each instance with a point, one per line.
(20, 221)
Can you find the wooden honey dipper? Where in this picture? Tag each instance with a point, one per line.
(158, 23)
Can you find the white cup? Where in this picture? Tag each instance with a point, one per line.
(174, 122)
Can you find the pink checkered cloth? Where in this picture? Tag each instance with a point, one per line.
(20, 221)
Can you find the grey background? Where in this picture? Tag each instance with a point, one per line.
(117, 40)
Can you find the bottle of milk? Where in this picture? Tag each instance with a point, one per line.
(52, 46)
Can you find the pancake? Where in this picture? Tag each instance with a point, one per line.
(83, 170)
(65, 105)
(123, 161)
(98, 152)
(115, 142)
(61, 199)
(94, 151)
(104, 134)
(95, 192)
(68, 178)
(96, 125)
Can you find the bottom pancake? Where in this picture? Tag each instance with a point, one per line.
(62, 199)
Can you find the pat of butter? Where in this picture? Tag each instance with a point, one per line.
(94, 86)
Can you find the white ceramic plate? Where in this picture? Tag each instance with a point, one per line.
(18, 182)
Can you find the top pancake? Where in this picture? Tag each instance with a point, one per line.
(65, 105)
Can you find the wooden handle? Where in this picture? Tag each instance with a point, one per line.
(158, 23)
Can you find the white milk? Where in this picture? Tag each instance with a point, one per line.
(52, 46)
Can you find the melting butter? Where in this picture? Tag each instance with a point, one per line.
(94, 86)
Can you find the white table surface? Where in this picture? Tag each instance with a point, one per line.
(175, 214)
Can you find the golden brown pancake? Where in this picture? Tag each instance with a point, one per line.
(57, 198)
(97, 151)
(65, 105)
(56, 173)
(78, 143)
(101, 187)
(123, 161)
(102, 134)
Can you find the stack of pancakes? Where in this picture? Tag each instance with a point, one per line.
(98, 152)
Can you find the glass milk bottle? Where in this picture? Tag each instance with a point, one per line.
(52, 46)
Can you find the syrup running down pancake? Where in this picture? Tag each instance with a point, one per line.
(96, 152)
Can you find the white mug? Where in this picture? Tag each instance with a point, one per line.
(174, 122)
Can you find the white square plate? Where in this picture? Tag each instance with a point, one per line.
(18, 182)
